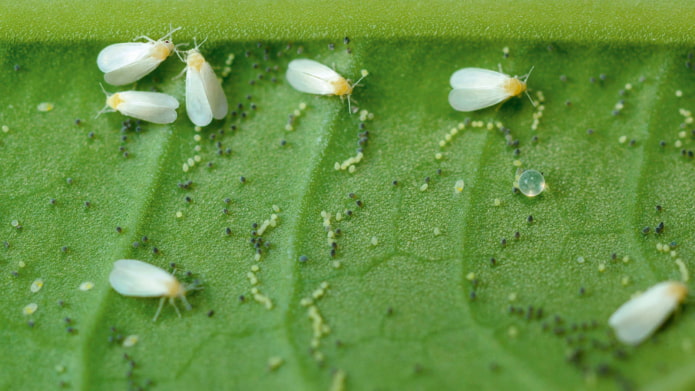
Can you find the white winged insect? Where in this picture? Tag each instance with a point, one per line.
(125, 63)
(131, 277)
(315, 78)
(154, 107)
(640, 316)
(477, 88)
(205, 98)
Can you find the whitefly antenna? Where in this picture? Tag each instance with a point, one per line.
(106, 106)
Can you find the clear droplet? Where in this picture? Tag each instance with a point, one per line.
(531, 183)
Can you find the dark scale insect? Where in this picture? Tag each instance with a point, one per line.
(659, 228)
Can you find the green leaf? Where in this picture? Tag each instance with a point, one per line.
(411, 298)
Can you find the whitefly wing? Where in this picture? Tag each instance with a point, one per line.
(132, 72)
(197, 104)
(119, 55)
(639, 317)
(131, 277)
(153, 107)
(214, 92)
(311, 77)
(478, 78)
(471, 99)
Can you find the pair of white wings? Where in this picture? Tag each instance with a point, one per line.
(125, 63)
(131, 277)
(477, 88)
(205, 98)
(154, 107)
(312, 77)
(639, 317)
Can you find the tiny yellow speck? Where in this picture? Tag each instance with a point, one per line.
(255, 268)
(470, 276)
(497, 202)
(297, 113)
(364, 73)
(659, 247)
(275, 363)
(601, 267)
(184, 167)
(5, 128)
(458, 187)
(685, 275)
(622, 139)
(625, 281)
(442, 143)
(86, 286)
(336, 166)
(305, 302)
(374, 241)
(257, 257)
(674, 253)
(36, 285)
(197, 148)
(338, 381)
(130, 341)
(337, 264)
(679, 93)
(423, 187)
(30, 309)
(678, 144)
(276, 209)
(628, 86)
(512, 332)
(21, 264)
(437, 231)
(197, 158)
(289, 127)
(512, 296)
(197, 128)
(666, 248)
(179, 214)
(302, 106)
(197, 137)
(517, 163)
(682, 134)
(45, 106)
(438, 156)
(626, 259)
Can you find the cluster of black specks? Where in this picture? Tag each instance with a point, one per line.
(115, 337)
(530, 313)
(259, 62)
(134, 383)
(187, 185)
(128, 126)
(588, 349)
(257, 241)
